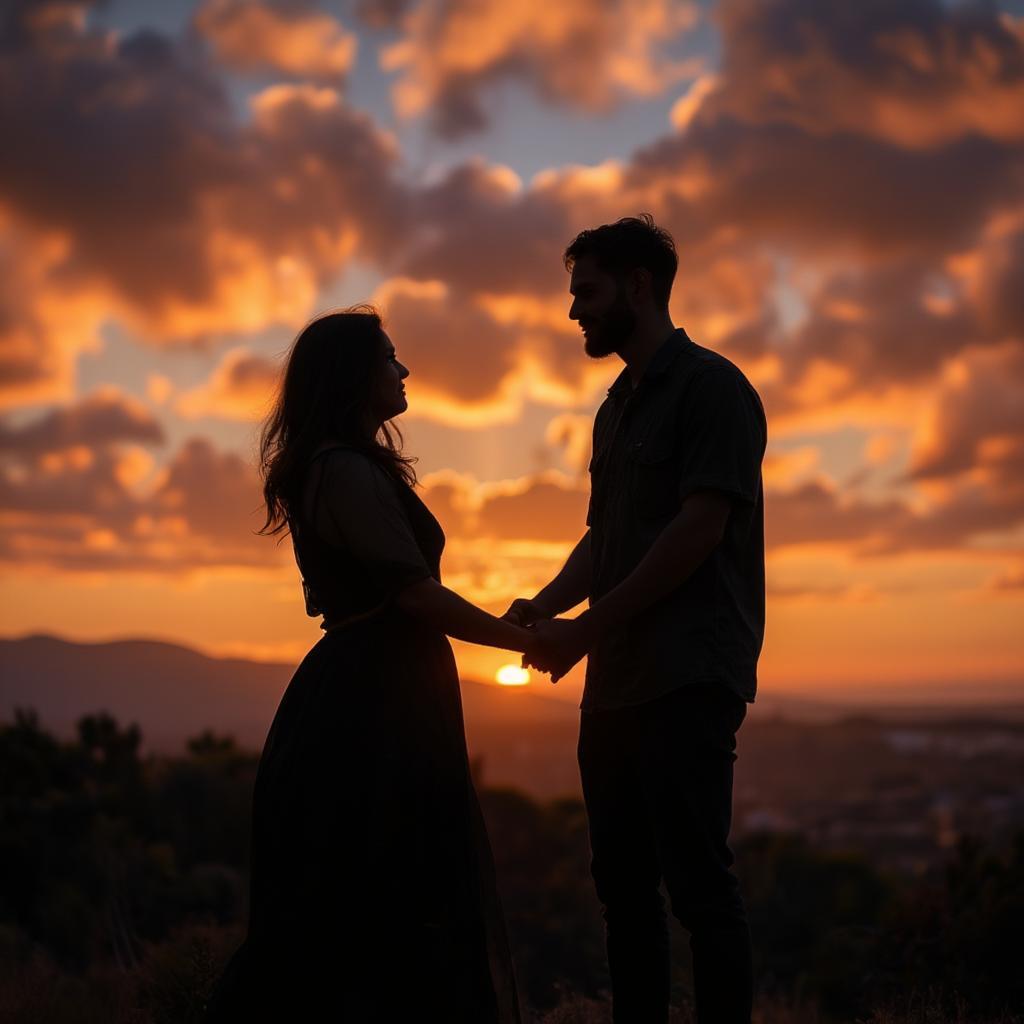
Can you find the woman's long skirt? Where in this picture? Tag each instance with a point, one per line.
(372, 891)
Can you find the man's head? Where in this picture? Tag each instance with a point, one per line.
(622, 274)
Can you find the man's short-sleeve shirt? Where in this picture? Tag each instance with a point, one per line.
(693, 423)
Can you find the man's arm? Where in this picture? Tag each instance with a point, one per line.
(679, 549)
(565, 591)
(572, 584)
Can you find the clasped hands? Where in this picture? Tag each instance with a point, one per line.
(555, 645)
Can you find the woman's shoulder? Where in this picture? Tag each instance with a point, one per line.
(351, 467)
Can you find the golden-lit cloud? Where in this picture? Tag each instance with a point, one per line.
(297, 40)
(248, 218)
(816, 513)
(685, 108)
(782, 470)
(975, 425)
(474, 362)
(458, 356)
(543, 508)
(103, 418)
(450, 54)
(479, 228)
(183, 218)
(844, 186)
(546, 507)
(241, 387)
(968, 452)
(572, 434)
(81, 492)
(43, 326)
(1010, 581)
(916, 75)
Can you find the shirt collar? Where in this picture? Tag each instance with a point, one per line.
(660, 362)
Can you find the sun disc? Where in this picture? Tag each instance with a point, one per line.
(512, 675)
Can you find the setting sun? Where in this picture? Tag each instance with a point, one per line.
(512, 675)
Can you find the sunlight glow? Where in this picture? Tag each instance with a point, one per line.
(512, 675)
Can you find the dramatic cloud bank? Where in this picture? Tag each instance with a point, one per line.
(577, 53)
(845, 183)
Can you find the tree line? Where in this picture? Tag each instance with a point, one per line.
(124, 880)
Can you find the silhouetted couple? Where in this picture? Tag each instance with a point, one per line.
(373, 895)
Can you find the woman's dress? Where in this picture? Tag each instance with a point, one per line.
(372, 891)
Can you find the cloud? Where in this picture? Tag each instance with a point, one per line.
(181, 218)
(104, 509)
(103, 418)
(453, 349)
(43, 327)
(991, 276)
(976, 422)
(450, 498)
(977, 512)
(864, 227)
(79, 491)
(478, 227)
(815, 513)
(848, 243)
(542, 508)
(475, 360)
(101, 510)
(572, 433)
(293, 39)
(790, 166)
(846, 593)
(545, 507)
(241, 387)
(216, 493)
(782, 470)
(1009, 582)
(917, 75)
(686, 107)
(247, 219)
(968, 451)
(590, 57)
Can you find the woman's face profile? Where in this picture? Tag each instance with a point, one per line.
(388, 399)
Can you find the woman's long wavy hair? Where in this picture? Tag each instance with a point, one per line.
(325, 395)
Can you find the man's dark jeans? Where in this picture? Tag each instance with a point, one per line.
(657, 781)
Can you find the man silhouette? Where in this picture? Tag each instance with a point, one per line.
(672, 564)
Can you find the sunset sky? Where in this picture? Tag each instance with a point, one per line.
(182, 185)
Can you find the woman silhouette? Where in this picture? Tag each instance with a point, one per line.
(372, 892)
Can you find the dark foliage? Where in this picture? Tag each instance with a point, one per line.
(123, 890)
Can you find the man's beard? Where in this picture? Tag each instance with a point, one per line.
(613, 330)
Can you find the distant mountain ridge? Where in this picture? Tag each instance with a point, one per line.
(174, 692)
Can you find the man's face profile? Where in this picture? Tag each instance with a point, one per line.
(600, 307)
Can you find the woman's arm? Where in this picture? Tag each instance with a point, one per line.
(437, 606)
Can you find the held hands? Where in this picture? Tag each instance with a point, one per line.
(523, 612)
(555, 645)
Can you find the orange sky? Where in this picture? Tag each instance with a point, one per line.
(845, 187)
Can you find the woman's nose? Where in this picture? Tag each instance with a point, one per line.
(403, 370)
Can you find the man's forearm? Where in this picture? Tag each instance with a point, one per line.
(683, 545)
(572, 584)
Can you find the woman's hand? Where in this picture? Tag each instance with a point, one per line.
(556, 645)
(525, 612)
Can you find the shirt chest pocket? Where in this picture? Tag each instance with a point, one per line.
(655, 475)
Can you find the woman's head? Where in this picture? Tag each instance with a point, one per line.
(342, 382)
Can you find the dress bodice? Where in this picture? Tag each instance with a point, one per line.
(360, 536)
